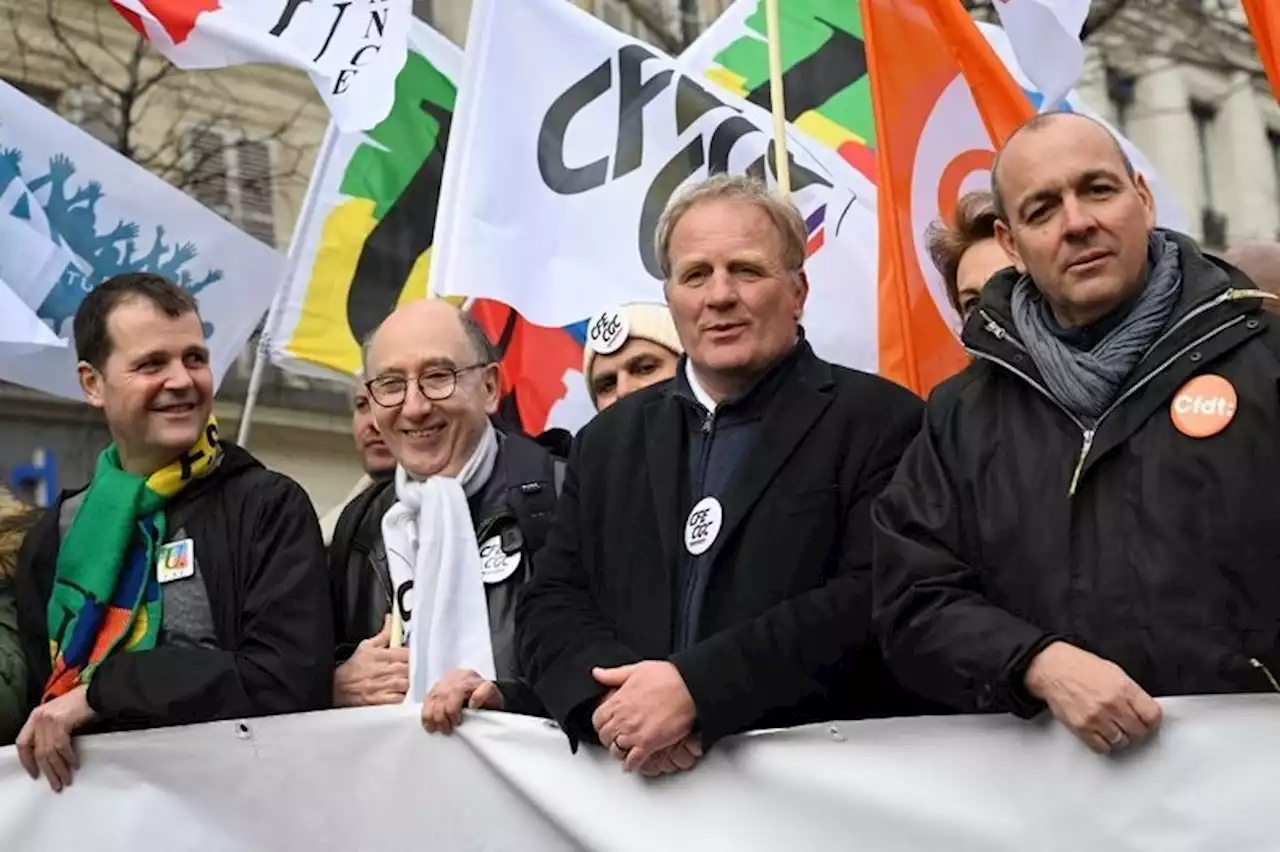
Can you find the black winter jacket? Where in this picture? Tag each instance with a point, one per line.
(258, 545)
(515, 507)
(1009, 524)
(783, 636)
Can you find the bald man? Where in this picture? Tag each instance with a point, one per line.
(1088, 521)
(1260, 261)
(448, 542)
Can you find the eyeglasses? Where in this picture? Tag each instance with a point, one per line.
(437, 385)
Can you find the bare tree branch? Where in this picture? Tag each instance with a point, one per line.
(148, 110)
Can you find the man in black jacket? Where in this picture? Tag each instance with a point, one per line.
(1088, 518)
(186, 583)
(433, 381)
(709, 568)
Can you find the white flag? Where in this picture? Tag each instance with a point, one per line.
(74, 213)
(1045, 35)
(568, 140)
(353, 51)
(21, 331)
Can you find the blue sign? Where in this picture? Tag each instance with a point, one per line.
(40, 478)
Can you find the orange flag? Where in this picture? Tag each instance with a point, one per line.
(936, 139)
(1264, 22)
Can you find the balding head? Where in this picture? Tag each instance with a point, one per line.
(1073, 215)
(1041, 122)
(1261, 262)
(434, 385)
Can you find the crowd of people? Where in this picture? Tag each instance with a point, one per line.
(746, 536)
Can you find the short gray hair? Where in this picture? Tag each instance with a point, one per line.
(748, 190)
(483, 349)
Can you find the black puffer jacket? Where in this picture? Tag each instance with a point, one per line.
(257, 542)
(513, 511)
(1009, 524)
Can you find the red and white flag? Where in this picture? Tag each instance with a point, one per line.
(1045, 35)
(353, 51)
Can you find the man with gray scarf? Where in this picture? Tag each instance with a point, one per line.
(1086, 519)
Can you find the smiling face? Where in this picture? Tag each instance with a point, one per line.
(424, 341)
(636, 365)
(735, 303)
(155, 387)
(1078, 224)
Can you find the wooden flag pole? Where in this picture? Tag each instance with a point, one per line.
(778, 102)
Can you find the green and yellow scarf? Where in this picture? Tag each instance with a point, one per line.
(105, 591)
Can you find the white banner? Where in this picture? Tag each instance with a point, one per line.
(21, 331)
(352, 51)
(569, 138)
(74, 213)
(373, 780)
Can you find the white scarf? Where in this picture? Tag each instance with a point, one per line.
(435, 568)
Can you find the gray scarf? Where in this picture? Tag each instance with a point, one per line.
(1086, 383)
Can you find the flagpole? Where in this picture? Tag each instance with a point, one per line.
(782, 164)
(277, 304)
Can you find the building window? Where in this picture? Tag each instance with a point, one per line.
(1204, 116)
(235, 178)
(1120, 88)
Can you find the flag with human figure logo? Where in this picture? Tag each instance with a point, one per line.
(74, 213)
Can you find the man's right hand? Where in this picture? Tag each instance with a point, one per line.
(375, 674)
(1093, 697)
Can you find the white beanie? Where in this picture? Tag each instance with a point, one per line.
(645, 321)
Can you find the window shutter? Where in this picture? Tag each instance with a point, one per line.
(210, 170)
(256, 185)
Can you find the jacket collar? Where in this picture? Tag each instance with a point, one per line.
(755, 398)
(790, 399)
(1204, 279)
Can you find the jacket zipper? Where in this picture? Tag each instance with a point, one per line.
(1088, 433)
(691, 582)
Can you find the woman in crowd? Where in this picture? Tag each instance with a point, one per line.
(16, 518)
(966, 251)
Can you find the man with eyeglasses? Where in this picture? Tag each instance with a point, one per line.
(424, 589)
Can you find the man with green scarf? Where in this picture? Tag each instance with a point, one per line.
(186, 583)
(1087, 520)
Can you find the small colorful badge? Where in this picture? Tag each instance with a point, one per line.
(176, 561)
(1204, 406)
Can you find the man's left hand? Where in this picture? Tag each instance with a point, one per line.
(442, 710)
(44, 744)
(651, 710)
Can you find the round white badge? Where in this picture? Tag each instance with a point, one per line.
(607, 331)
(495, 565)
(703, 526)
